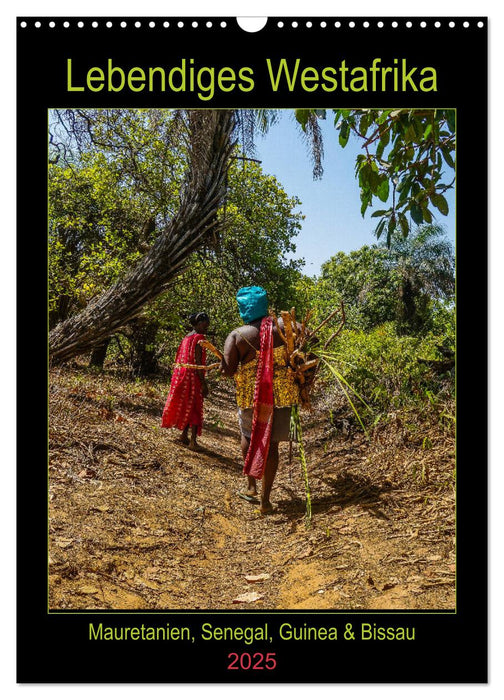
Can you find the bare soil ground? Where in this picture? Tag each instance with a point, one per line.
(137, 521)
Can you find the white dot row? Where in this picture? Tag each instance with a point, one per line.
(351, 24)
(124, 24)
(294, 24)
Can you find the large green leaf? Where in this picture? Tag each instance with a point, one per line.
(383, 189)
(440, 203)
(344, 134)
(447, 156)
(302, 116)
(451, 119)
(416, 213)
(404, 224)
(380, 227)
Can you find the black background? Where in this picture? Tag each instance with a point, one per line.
(54, 647)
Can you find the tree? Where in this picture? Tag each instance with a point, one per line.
(96, 231)
(209, 150)
(409, 283)
(366, 283)
(410, 148)
(408, 160)
(260, 224)
(425, 267)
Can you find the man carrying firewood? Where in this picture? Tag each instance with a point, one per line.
(255, 355)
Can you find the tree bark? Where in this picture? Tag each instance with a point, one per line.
(99, 353)
(210, 147)
(143, 339)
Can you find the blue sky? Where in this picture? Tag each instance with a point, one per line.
(331, 205)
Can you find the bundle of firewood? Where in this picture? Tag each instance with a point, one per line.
(299, 353)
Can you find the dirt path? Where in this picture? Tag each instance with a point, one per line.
(137, 521)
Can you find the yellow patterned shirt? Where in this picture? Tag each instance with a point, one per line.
(285, 390)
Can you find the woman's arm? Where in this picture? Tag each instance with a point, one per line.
(198, 356)
(229, 363)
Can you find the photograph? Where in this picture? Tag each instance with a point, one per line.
(252, 359)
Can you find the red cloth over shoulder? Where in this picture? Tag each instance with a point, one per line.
(262, 419)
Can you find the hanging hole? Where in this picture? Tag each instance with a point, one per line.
(252, 24)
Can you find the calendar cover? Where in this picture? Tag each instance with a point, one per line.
(255, 328)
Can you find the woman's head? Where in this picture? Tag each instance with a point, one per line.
(199, 321)
(252, 303)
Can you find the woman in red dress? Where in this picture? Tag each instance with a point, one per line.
(188, 388)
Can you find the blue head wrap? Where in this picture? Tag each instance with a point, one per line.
(252, 303)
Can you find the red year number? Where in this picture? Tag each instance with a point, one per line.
(251, 662)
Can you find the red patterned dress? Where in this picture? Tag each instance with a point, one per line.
(184, 405)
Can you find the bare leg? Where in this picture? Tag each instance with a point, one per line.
(251, 482)
(184, 439)
(193, 445)
(268, 478)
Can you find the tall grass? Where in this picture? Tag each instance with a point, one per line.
(296, 432)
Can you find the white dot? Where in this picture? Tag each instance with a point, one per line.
(95, 24)
(223, 25)
(394, 24)
(280, 25)
(138, 24)
(437, 24)
(195, 24)
(38, 25)
(180, 25)
(466, 24)
(309, 25)
(351, 25)
(294, 24)
(409, 24)
(423, 24)
(166, 24)
(109, 24)
(480, 25)
(365, 25)
(80, 24)
(152, 25)
(380, 24)
(337, 25)
(209, 24)
(52, 24)
(23, 25)
(123, 24)
(451, 24)
(323, 25)
(66, 24)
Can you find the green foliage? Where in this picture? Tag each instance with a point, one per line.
(107, 197)
(384, 369)
(92, 235)
(406, 154)
(117, 185)
(425, 267)
(261, 223)
(408, 162)
(365, 282)
(411, 283)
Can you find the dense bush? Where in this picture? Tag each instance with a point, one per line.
(384, 368)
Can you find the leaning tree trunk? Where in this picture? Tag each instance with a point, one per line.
(210, 148)
(99, 353)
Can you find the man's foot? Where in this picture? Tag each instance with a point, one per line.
(266, 508)
(194, 447)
